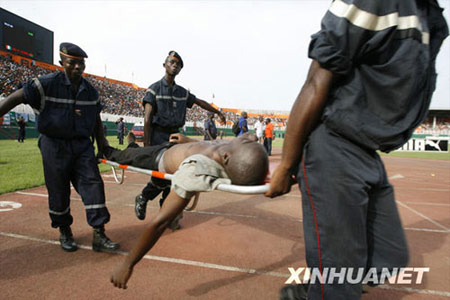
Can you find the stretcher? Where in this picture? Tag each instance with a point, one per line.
(231, 188)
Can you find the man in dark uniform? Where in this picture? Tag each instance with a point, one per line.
(21, 123)
(369, 86)
(120, 130)
(210, 128)
(165, 105)
(68, 112)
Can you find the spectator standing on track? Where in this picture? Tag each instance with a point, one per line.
(369, 86)
(210, 128)
(243, 123)
(259, 129)
(268, 136)
(120, 130)
(68, 115)
(165, 105)
(21, 123)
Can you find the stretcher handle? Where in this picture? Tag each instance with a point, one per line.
(116, 178)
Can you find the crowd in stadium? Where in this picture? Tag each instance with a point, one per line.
(118, 99)
(12, 74)
(121, 99)
(440, 126)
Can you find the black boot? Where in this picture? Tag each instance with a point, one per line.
(140, 206)
(101, 242)
(66, 239)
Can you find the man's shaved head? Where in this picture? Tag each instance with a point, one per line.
(248, 163)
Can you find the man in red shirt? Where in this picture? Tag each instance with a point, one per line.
(268, 136)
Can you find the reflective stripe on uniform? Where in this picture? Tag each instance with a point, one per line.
(171, 97)
(94, 206)
(369, 21)
(41, 92)
(70, 101)
(59, 213)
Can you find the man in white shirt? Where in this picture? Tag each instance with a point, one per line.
(259, 129)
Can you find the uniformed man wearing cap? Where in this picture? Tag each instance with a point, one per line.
(165, 105)
(68, 114)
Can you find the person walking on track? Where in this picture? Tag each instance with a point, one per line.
(165, 104)
(68, 111)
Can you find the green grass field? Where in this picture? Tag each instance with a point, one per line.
(21, 165)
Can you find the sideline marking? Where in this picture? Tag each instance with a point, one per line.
(396, 176)
(128, 183)
(217, 266)
(246, 216)
(110, 175)
(426, 230)
(423, 216)
(32, 194)
(411, 290)
(204, 212)
(428, 203)
(160, 258)
(423, 189)
(9, 205)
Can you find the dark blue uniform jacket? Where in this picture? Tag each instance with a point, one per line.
(62, 113)
(386, 70)
(169, 104)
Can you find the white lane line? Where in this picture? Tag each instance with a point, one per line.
(217, 266)
(422, 189)
(162, 258)
(110, 175)
(428, 203)
(242, 216)
(411, 290)
(426, 230)
(250, 216)
(44, 195)
(423, 216)
(396, 176)
(32, 194)
(136, 184)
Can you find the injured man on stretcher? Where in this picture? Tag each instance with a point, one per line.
(198, 166)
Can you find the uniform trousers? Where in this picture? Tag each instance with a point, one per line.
(72, 161)
(350, 218)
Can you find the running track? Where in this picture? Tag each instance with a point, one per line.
(231, 247)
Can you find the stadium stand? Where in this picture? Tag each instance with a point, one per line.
(123, 99)
(119, 98)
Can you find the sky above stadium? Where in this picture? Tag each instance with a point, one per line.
(237, 54)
